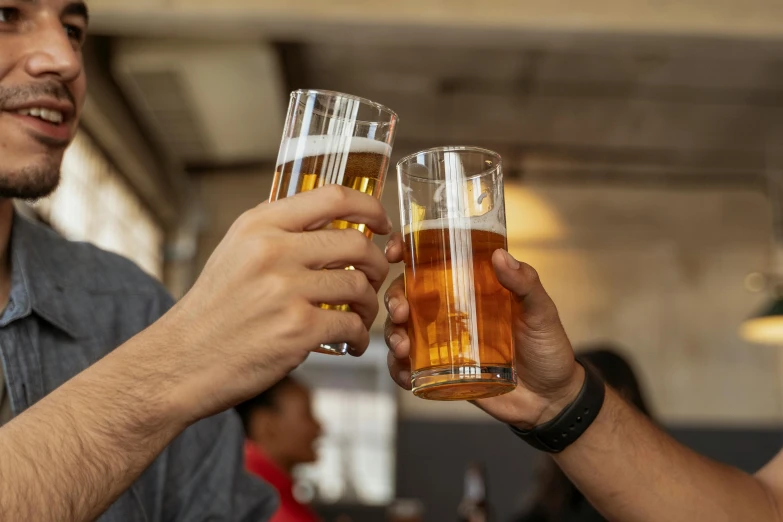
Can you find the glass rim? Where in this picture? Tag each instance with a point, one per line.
(366, 101)
(452, 148)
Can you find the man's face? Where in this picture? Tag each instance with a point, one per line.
(42, 91)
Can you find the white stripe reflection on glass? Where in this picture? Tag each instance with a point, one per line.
(461, 244)
(340, 129)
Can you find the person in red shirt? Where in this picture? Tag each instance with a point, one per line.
(281, 432)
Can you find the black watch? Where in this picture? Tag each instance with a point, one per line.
(559, 433)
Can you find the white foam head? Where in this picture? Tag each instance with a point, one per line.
(461, 204)
(308, 146)
(488, 222)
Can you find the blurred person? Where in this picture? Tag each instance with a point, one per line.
(557, 499)
(625, 465)
(281, 432)
(115, 398)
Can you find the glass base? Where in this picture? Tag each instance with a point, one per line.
(463, 384)
(333, 349)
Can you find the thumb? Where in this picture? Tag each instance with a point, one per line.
(539, 313)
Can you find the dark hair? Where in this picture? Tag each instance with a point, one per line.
(557, 499)
(267, 399)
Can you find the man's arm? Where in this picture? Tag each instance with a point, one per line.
(73, 453)
(627, 467)
(252, 316)
(632, 471)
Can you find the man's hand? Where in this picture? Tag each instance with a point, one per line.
(549, 377)
(252, 316)
(254, 313)
(626, 466)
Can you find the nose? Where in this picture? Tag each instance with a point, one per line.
(53, 54)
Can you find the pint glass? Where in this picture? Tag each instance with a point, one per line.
(334, 138)
(453, 219)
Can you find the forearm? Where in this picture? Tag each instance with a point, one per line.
(72, 454)
(633, 472)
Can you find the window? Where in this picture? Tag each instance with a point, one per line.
(356, 405)
(94, 203)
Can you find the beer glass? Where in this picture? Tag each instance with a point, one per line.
(334, 138)
(453, 219)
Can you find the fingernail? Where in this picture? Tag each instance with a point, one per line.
(388, 246)
(512, 263)
(395, 339)
(393, 304)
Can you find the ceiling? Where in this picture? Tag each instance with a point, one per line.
(569, 109)
(579, 104)
(566, 91)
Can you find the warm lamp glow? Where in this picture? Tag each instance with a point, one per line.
(766, 327)
(529, 217)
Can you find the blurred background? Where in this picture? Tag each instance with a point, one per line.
(643, 143)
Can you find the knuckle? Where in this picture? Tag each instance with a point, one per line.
(349, 327)
(355, 323)
(553, 314)
(276, 284)
(362, 242)
(298, 314)
(245, 223)
(530, 274)
(316, 240)
(358, 282)
(354, 240)
(262, 249)
(336, 193)
(543, 321)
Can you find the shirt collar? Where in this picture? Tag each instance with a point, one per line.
(39, 280)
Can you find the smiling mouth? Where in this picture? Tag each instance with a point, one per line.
(48, 125)
(48, 115)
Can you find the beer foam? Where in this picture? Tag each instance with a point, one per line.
(487, 223)
(308, 146)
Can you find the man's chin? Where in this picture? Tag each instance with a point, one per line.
(29, 183)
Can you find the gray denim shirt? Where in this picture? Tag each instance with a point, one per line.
(70, 305)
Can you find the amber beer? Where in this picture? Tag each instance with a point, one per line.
(312, 164)
(452, 211)
(460, 314)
